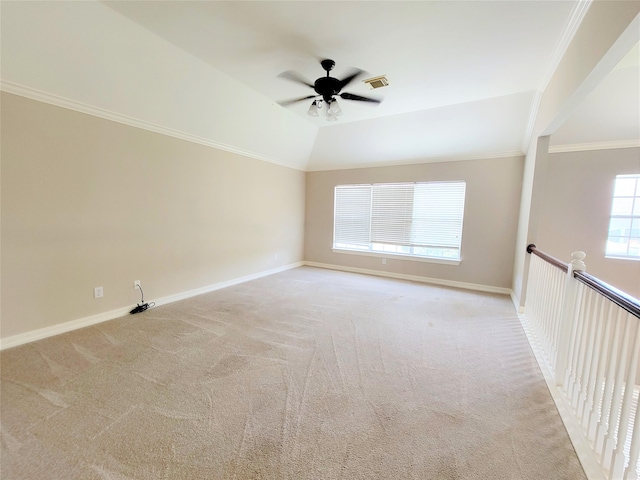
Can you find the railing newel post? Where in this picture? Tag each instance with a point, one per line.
(568, 315)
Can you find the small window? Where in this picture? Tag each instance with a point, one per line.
(410, 219)
(624, 228)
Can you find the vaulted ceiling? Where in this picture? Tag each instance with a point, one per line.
(463, 76)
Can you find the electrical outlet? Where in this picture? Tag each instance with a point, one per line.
(384, 261)
(98, 292)
(136, 284)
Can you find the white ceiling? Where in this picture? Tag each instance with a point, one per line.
(464, 76)
(434, 53)
(610, 115)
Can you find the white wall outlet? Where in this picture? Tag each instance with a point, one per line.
(384, 261)
(98, 292)
(136, 284)
(275, 256)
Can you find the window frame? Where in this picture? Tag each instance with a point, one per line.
(403, 251)
(633, 217)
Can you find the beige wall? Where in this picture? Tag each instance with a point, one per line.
(490, 221)
(576, 209)
(88, 202)
(605, 36)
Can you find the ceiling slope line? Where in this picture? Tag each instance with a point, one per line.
(575, 19)
(59, 101)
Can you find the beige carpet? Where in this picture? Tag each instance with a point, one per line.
(307, 374)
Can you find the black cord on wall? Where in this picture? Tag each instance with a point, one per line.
(142, 306)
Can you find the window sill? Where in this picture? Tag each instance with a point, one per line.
(614, 257)
(411, 258)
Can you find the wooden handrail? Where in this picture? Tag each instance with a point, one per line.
(531, 248)
(623, 300)
(627, 302)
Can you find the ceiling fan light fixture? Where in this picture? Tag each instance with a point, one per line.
(331, 117)
(334, 108)
(313, 109)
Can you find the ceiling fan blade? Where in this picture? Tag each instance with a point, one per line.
(351, 96)
(295, 77)
(284, 103)
(347, 80)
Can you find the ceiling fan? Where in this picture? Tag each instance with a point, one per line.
(327, 89)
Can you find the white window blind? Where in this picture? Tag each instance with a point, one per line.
(415, 219)
(391, 213)
(437, 214)
(352, 221)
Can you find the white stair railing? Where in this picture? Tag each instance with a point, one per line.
(589, 335)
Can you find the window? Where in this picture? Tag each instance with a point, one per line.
(624, 228)
(413, 219)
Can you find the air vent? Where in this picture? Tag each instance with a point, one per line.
(377, 82)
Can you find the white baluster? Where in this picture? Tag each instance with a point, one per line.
(532, 302)
(572, 394)
(610, 441)
(588, 355)
(578, 396)
(594, 354)
(573, 343)
(631, 472)
(558, 300)
(613, 362)
(597, 412)
(618, 460)
(546, 312)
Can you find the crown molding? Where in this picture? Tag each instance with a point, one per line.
(575, 20)
(584, 147)
(52, 99)
(418, 161)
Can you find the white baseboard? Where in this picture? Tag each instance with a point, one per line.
(414, 278)
(586, 455)
(218, 286)
(516, 302)
(39, 334)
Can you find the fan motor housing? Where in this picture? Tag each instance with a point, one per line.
(327, 87)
